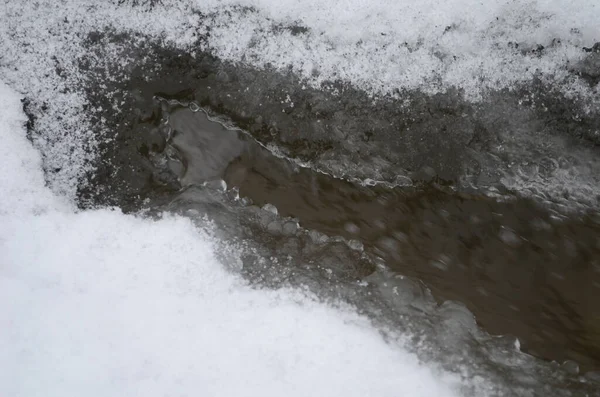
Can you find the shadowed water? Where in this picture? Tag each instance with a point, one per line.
(521, 269)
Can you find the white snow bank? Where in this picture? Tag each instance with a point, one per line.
(98, 303)
(21, 174)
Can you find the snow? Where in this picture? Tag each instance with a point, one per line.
(99, 303)
(430, 45)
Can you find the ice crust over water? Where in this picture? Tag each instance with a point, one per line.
(101, 303)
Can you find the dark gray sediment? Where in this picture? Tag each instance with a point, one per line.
(495, 203)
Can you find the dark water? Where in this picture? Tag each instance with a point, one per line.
(520, 268)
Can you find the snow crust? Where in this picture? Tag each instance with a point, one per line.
(431, 45)
(99, 303)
